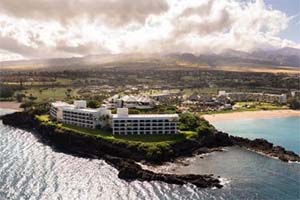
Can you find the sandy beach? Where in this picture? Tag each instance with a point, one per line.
(10, 105)
(251, 115)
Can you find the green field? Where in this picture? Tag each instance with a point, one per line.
(58, 81)
(49, 94)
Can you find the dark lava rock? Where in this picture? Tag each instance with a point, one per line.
(263, 146)
(130, 171)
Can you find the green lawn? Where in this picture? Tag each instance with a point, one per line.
(29, 83)
(189, 134)
(61, 81)
(64, 81)
(49, 94)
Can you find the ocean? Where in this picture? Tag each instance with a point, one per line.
(32, 170)
(280, 131)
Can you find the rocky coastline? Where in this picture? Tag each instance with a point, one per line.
(266, 148)
(124, 159)
(116, 155)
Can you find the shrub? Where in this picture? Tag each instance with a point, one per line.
(27, 106)
(6, 92)
(294, 104)
(205, 127)
(41, 108)
(20, 97)
(92, 104)
(188, 122)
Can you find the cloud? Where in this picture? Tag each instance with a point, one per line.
(213, 26)
(11, 45)
(62, 49)
(207, 25)
(111, 12)
(6, 56)
(80, 49)
(55, 28)
(202, 9)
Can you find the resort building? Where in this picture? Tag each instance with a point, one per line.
(167, 97)
(261, 97)
(121, 123)
(78, 114)
(295, 94)
(130, 101)
(126, 124)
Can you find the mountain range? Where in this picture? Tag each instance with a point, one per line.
(284, 57)
(272, 58)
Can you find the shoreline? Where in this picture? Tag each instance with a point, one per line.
(250, 115)
(10, 105)
(126, 160)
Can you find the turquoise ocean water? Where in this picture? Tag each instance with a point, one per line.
(280, 131)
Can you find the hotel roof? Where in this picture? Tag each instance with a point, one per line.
(61, 104)
(69, 107)
(130, 98)
(81, 109)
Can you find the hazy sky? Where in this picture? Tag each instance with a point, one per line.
(61, 28)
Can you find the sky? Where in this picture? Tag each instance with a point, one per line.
(36, 29)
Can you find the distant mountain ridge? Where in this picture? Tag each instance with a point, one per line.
(284, 57)
(281, 57)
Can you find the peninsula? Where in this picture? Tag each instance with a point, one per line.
(195, 136)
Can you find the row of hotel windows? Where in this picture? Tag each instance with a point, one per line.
(146, 128)
(54, 108)
(143, 124)
(78, 120)
(143, 132)
(77, 113)
(85, 125)
(53, 113)
(142, 120)
(77, 117)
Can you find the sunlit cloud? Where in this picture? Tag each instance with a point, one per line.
(53, 28)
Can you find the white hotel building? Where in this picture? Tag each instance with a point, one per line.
(149, 124)
(78, 114)
(121, 123)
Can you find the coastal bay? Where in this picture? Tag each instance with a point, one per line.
(279, 127)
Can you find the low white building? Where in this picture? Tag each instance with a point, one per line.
(147, 124)
(130, 101)
(295, 94)
(78, 114)
(248, 96)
